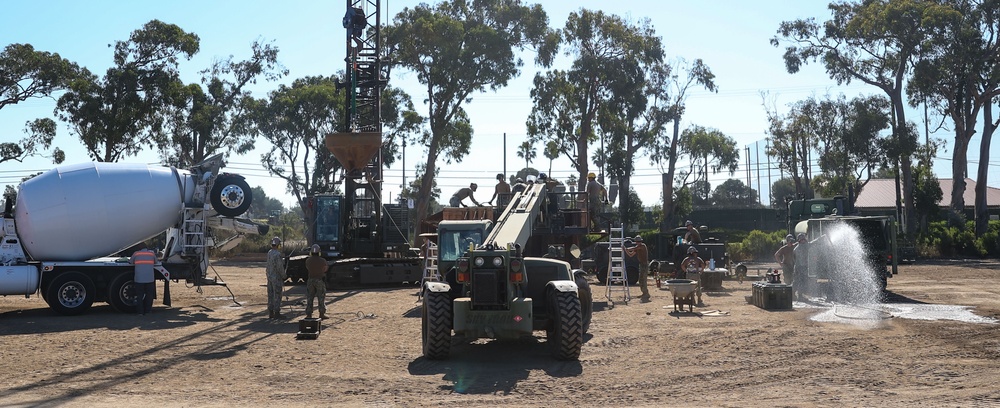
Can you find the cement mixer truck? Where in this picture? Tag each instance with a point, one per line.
(60, 233)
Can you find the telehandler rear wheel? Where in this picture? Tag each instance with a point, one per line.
(566, 335)
(436, 325)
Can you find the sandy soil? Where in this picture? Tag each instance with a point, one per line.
(207, 350)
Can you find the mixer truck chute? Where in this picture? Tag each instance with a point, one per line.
(61, 231)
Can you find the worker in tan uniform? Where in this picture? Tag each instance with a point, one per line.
(316, 283)
(642, 253)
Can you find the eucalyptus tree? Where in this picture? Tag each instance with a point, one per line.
(605, 50)
(665, 151)
(25, 74)
(205, 117)
(846, 137)
(959, 75)
(296, 118)
(125, 112)
(710, 151)
(458, 48)
(874, 42)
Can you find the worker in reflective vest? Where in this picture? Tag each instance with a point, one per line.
(144, 281)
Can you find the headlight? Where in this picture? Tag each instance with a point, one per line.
(498, 262)
(479, 261)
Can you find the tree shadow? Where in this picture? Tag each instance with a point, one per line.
(213, 342)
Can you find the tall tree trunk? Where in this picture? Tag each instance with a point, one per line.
(668, 180)
(982, 215)
(427, 180)
(959, 166)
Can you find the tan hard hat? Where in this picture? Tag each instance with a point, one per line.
(591, 175)
(275, 241)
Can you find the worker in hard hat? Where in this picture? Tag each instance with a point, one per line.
(462, 194)
(316, 284)
(275, 279)
(692, 267)
(502, 191)
(596, 195)
(641, 253)
(785, 257)
(519, 186)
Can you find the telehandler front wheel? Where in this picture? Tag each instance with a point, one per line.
(436, 325)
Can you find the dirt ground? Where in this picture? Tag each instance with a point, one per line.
(207, 350)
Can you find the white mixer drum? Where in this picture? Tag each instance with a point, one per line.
(83, 211)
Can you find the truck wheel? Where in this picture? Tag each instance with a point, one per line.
(586, 300)
(566, 335)
(231, 195)
(436, 325)
(71, 293)
(121, 293)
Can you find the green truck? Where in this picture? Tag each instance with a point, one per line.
(492, 289)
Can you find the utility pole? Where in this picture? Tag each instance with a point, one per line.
(759, 190)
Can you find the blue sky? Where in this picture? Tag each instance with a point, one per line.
(730, 36)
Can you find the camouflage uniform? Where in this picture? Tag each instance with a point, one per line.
(316, 285)
(275, 281)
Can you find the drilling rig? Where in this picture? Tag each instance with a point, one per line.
(362, 238)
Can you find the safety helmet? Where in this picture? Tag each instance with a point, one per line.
(315, 249)
(542, 176)
(801, 236)
(692, 250)
(789, 238)
(638, 238)
(688, 223)
(520, 180)
(591, 175)
(275, 241)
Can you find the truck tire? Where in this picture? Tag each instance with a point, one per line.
(566, 335)
(231, 195)
(71, 293)
(121, 293)
(436, 325)
(586, 299)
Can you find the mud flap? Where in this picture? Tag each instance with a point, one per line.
(166, 292)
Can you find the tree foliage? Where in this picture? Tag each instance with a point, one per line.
(125, 111)
(458, 48)
(733, 193)
(607, 54)
(845, 138)
(24, 74)
(959, 75)
(205, 117)
(874, 42)
(666, 148)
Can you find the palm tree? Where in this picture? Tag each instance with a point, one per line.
(527, 152)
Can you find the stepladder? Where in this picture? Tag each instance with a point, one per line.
(431, 273)
(617, 277)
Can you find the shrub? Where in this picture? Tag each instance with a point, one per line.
(760, 245)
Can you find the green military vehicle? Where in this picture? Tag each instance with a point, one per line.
(491, 289)
(877, 235)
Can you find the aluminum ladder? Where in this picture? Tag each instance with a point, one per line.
(431, 273)
(617, 279)
(193, 231)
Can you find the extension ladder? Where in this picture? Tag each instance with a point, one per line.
(431, 273)
(617, 278)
